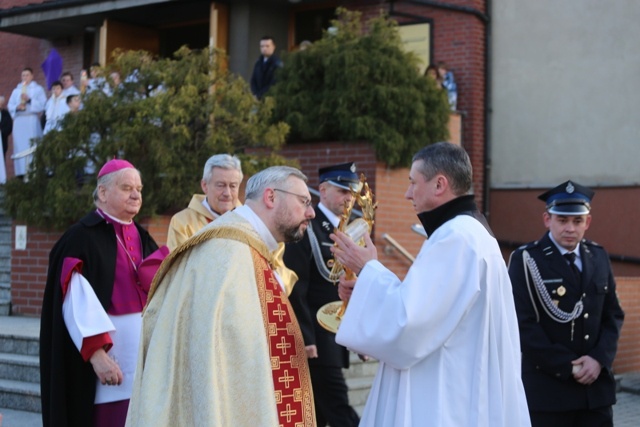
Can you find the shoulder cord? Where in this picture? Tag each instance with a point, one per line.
(317, 255)
(543, 295)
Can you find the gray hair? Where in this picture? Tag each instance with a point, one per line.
(107, 181)
(449, 160)
(275, 176)
(223, 161)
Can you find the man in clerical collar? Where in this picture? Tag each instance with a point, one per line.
(220, 183)
(311, 259)
(99, 275)
(221, 344)
(569, 316)
(446, 336)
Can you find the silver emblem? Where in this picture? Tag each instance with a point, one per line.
(570, 188)
(353, 167)
(326, 225)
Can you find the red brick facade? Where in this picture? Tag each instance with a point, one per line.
(628, 357)
(458, 40)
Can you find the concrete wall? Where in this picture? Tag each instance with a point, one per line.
(564, 92)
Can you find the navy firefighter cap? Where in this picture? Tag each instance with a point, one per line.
(343, 175)
(568, 198)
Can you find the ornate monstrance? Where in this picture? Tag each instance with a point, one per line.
(330, 315)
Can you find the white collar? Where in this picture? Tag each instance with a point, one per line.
(258, 225)
(333, 218)
(102, 213)
(206, 205)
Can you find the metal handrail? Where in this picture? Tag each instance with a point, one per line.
(24, 153)
(397, 246)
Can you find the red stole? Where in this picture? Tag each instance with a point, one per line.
(291, 379)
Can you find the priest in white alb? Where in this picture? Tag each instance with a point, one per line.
(25, 105)
(447, 336)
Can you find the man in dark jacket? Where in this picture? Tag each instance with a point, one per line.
(569, 316)
(310, 259)
(95, 292)
(265, 68)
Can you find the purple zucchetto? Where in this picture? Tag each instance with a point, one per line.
(114, 166)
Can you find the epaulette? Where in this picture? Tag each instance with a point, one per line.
(529, 245)
(591, 243)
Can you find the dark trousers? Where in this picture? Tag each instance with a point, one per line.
(331, 398)
(599, 417)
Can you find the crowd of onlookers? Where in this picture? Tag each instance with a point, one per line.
(29, 114)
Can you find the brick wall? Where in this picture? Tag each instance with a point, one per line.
(29, 271)
(628, 357)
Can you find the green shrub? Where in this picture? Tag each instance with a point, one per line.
(357, 83)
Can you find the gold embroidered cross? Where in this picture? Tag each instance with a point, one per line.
(286, 378)
(279, 312)
(283, 345)
(289, 412)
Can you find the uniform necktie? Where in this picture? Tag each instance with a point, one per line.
(571, 257)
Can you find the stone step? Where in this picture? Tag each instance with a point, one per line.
(5, 307)
(5, 280)
(5, 262)
(359, 390)
(19, 367)
(19, 345)
(19, 395)
(13, 418)
(358, 368)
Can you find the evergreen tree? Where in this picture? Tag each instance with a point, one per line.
(357, 83)
(167, 117)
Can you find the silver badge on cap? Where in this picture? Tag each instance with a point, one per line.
(353, 167)
(570, 188)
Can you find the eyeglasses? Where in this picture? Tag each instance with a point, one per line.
(303, 199)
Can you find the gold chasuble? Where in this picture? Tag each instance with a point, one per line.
(220, 345)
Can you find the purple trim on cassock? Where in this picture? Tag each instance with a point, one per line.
(128, 296)
(69, 265)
